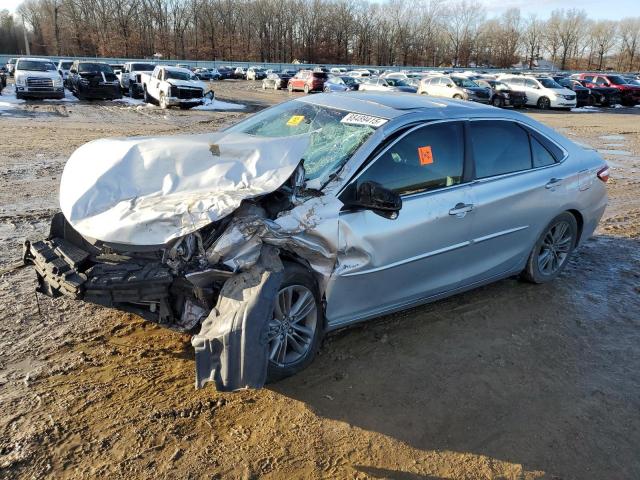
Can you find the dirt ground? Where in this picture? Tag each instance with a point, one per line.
(510, 381)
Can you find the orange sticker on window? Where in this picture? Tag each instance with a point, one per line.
(425, 154)
(295, 120)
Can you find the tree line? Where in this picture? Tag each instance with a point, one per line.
(433, 33)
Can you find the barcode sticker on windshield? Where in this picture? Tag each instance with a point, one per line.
(359, 119)
(295, 120)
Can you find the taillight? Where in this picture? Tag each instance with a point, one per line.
(603, 174)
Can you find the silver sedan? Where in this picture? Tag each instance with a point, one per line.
(399, 200)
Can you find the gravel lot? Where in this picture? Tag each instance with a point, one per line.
(510, 381)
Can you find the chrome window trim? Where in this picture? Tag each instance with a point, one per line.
(520, 172)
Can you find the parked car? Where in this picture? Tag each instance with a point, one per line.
(629, 94)
(206, 74)
(338, 71)
(185, 66)
(342, 83)
(454, 87)
(502, 95)
(584, 96)
(277, 80)
(604, 96)
(117, 69)
(542, 92)
(225, 73)
(256, 73)
(308, 81)
(240, 73)
(11, 66)
(131, 77)
(3, 78)
(37, 78)
(433, 199)
(63, 70)
(359, 73)
(93, 80)
(384, 84)
(172, 86)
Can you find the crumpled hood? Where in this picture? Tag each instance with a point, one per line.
(186, 83)
(148, 191)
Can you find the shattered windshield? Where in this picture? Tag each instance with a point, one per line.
(334, 138)
(35, 66)
(177, 75)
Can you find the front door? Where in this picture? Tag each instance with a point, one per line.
(385, 264)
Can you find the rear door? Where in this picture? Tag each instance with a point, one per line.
(387, 263)
(519, 188)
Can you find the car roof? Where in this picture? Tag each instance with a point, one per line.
(30, 59)
(393, 105)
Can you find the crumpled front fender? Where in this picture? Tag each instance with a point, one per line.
(231, 347)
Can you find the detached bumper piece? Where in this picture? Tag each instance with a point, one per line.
(231, 347)
(58, 264)
(65, 269)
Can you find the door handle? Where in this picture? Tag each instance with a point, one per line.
(461, 209)
(554, 182)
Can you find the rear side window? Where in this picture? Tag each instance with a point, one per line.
(541, 156)
(429, 158)
(499, 147)
(588, 78)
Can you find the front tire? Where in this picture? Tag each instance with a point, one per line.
(163, 101)
(497, 102)
(296, 328)
(306, 89)
(544, 103)
(553, 249)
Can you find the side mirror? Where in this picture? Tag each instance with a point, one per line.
(450, 85)
(373, 196)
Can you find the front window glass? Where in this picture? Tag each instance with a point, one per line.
(429, 158)
(395, 82)
(549, 83)
(94, 68)
(177, 75)
(499, 147)
(66, 65)
(331, 143)
(32, 66)
(142, 67)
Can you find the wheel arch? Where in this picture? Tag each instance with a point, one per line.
(580, 221)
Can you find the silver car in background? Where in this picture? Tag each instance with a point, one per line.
(400, 200)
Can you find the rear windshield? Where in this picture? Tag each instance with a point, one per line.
(332, 142)
(94, 68)
(142, 67)
(34, 66)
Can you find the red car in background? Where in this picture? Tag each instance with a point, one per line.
(308, 81)
(629, 94)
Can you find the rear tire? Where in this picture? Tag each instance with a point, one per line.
(552, 250)
(457, 97)
(290, 88)
(297, 282)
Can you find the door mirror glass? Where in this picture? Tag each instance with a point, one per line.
(373, 196)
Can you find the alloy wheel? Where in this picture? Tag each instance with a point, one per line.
(555, 248)
(293, 326)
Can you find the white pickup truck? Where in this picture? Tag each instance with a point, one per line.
(169, 86)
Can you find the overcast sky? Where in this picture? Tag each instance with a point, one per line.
(596, 9)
